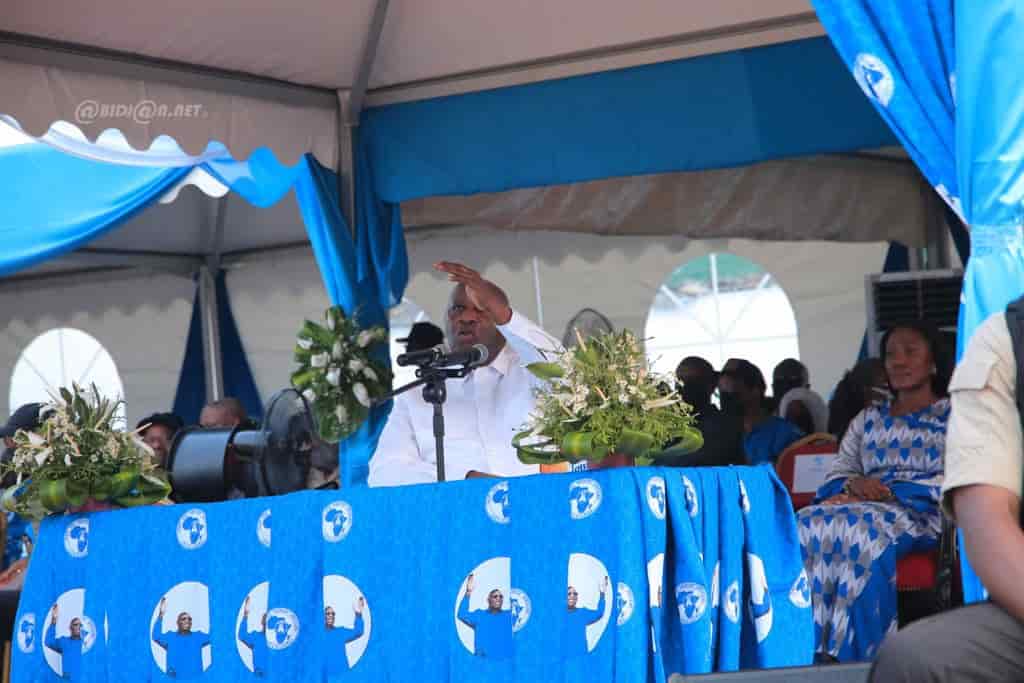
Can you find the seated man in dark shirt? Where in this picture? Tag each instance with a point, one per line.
(723, 434)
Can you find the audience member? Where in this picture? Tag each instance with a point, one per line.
(789, 374)
(879, 500)
(723, 434)
(158, 432)
(859, 388)
(741, 389)
(982, 489)
(225, 413)
(806, 409)
(26, 418)
(423, 335)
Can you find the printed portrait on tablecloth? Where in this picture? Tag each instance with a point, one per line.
(589, 601)
(180, 631)
(484, 617)
(69, 634)
(348, 623)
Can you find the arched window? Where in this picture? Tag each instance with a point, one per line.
(402, 318)
(721, 306)
(59, 357)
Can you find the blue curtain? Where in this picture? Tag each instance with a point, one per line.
(364, 292)
(944, 75)
(54, 203)
(237, 374)
(715, 111)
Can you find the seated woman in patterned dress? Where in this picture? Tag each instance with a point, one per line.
(880, 499)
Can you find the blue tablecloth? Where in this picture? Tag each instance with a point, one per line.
(703, 573)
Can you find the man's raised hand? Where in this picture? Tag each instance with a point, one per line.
(483, 293)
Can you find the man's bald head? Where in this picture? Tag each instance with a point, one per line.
(224, 413)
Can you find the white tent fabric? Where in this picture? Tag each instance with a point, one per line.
(142, 319)
(251, 74)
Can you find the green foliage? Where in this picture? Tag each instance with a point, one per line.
(338, 372)
(601, 398)
(80, 453)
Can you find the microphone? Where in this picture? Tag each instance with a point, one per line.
(475, 355)
(440, 357)
(423, 357)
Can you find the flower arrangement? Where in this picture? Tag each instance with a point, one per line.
(77, 455)
(338, 374)
(602, 399)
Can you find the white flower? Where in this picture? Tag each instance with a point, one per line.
(623, 398)
(364, 338)
(339, 350)
(304, 343)
(309, 395)
(319, 360)
(355, 365)
(67, 460)
(35, 439)
(42, 455)
(370, 374)
(359, 391)
(334, 377)
(341, 414)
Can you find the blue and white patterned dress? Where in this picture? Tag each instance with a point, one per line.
(850, 551)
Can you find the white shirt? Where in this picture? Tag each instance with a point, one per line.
(484, 411)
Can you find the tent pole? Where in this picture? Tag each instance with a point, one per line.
(350, 105)
(211, 334)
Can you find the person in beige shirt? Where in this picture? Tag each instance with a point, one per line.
(982, 492)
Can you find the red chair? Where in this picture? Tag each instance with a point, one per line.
(810, 457)
(925, 581)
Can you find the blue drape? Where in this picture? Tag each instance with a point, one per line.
(365, 292)
(706, 112)
(703, 565)
(944, 75)
(54, 203)
(237, 375)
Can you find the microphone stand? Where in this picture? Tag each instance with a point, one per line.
(432, 380)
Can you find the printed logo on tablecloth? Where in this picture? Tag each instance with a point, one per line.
(589, 603)
(282, 628)
(874, 78)
(73, 632)
(624, 603)
(692, 599)
(760, 605)
(179, 630)
(690, 494)
(800, 593)
(732, 602)
(191, 530)
(263, 528)
(347, 622)
(522, 608)
(26, 633)
(337, 521)
(656, 496)
(497, 503)
(584, 498)
(76, 538)
(483, 613)
(744, 498)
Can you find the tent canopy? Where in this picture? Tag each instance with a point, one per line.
(250, 74)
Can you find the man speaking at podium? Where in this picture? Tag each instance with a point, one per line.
(484, 410)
